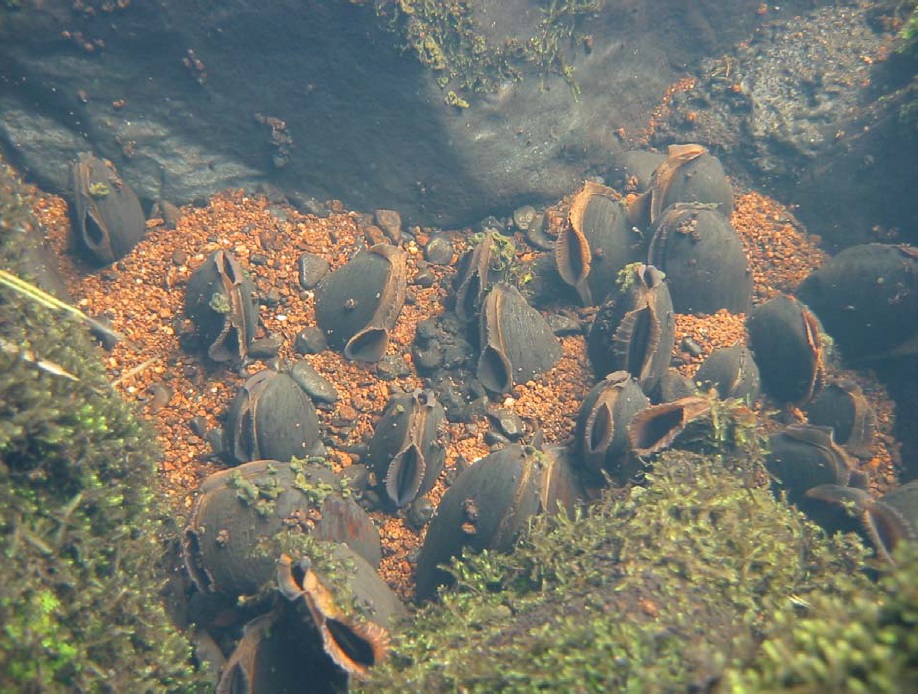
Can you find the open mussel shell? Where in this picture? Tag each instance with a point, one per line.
(271, 417)
(786, 339)
(867, 299)
(108, 219)
(596, 243)
(601, 433)
(227, 545)
(406, 451)
(703, 258)
(218, 299)
(802, 456)
(657, 427)
(842, 406)
(517, 344)
(342, 599)
(889, 520)
(357, 304)
(491, 503)
(478, 270)
(635, 329)
(731, 371)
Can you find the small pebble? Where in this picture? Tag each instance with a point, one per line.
(311, 268)
(391, 223)
(310, 341)
(439, 250)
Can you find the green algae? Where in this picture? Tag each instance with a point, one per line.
(80, 604)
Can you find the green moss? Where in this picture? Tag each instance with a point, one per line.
(80, 608)
(660, 588)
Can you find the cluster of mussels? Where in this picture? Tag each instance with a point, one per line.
(283, 539)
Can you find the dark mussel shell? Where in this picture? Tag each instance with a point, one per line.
(596, 243)
(842, 406)
(108, 219)
(888, 520)
(672, 386)
(491, 503)
(867, 299)
(601, 433)
(218, 299)
(655, 428)
(340, 597)
(632, 170)
(357, 304)
(517, 344)
(479, 268)
(802, 456)
(271, 417)
(635, 328)
(703, 258)
(786, 339)
(227, 545)
(732, 371)
(405, 450)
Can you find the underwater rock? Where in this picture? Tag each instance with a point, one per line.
(867, 299)
(406, 451)
(218, 299)
(108, 219)
(491, 503)
(786, 339)
(357, 304)
(732, 371)
(842, 406)
(601, 433)
(635, 328)
(517, 344)
(271, 417)
(239, 512)
(703, 259)
(596, 243)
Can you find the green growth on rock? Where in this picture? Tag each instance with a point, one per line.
(663, 587)
(80, 580)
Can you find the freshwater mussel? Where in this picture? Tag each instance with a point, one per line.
(479, 269)
(108, 219)
(867, 299)
(787, 342)
(601, 433)
(218, 299)
(841, 404)
(635, 330)
(596, 243)
(517, 344)
(655, 428)
(703, 258)
(406, 451)
(357, 304)
(243, 514)
(491, 502)
(732, 372)
(271, 417)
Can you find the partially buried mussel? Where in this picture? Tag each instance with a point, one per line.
(405, 450)
(218, 299)
(108, 219)
(357, 304)
(732, 372)
(480, 268)
(271, 417)
(245, 516)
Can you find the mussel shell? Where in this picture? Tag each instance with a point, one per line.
(601, 433)
(405, 450)
(655, 428)
(699, 179)
(842, 406)
(633, 170)
(732, 371)
(703, 258)
(491, 503)
(220, 283)
(785, 338)
(271, 417)
(867, 299)
(517, 344)
(635, 328)
(108, 219)
(672, 386)
(479, 268)
(596, 243)
(802, 456)
(240, 511)
(357, 304)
